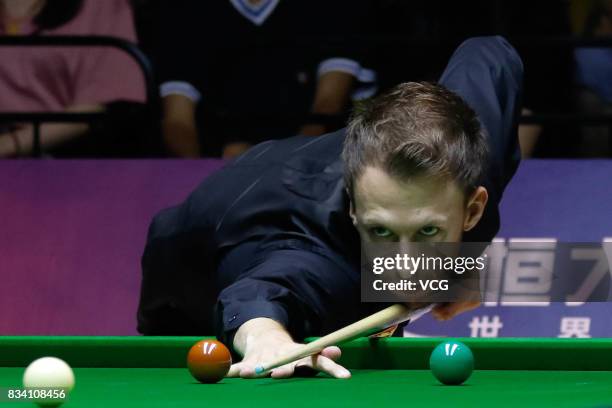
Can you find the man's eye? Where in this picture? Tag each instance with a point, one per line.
(381, 232)
(429, 231)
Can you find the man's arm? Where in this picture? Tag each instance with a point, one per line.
(179, 128)
(340, 65)
(21, 141)
(487, 73)
(284, 296)
(331, 98)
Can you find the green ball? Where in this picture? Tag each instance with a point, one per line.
(451, 362)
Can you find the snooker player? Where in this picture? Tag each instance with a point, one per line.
(266, 251)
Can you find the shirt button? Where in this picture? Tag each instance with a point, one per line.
(233, 318)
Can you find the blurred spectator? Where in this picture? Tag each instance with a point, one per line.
(54, 79)
(548, 72)
(234, 73)
(421, 35)
(594, 77)
(443, 24)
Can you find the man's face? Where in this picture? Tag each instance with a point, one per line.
(421, 209)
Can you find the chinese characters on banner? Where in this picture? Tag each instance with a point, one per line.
(525, 272)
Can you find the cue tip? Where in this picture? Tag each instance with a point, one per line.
(259, 370)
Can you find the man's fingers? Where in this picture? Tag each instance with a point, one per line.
(449, 310)
(243, 369)
(325, 362)
(248, 371)
(306, 367)
(285, 371)
(234, 370)
(313, 363)
(330, 367)
(440, 312)
(332, 352)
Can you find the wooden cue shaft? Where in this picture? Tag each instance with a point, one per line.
(376, 322)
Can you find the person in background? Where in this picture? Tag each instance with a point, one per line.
(441, 25)
(238, 72)
(63, 79)
(594, 79)
(548, 73)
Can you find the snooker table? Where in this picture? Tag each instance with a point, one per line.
(150, 372)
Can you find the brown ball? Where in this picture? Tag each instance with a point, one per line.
(208, 361)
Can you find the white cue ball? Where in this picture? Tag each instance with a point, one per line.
(49, 372)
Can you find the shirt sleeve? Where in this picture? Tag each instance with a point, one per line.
(348, 21)
(299, 287)
(176, 67)
(487, 73)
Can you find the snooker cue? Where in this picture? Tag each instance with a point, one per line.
(369, 325)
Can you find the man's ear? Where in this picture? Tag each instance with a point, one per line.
(351, 207)
(475, 208)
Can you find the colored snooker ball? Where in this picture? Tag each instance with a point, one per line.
(451, 362)
(209, 361)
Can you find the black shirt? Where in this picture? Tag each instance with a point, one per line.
(256, 76)
(269, 235)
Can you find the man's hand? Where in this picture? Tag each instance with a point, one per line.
(467, 297)
(446, 311)
(261, 340)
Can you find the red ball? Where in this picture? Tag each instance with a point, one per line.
(209, 361)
